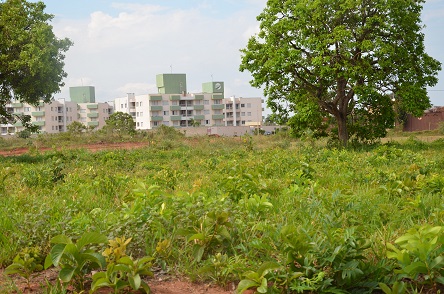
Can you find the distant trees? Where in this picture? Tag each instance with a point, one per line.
(120, 123)
(31, 56)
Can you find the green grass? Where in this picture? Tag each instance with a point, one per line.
(285, 200)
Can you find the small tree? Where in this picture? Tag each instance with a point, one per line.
(76, 128)
(121, 123)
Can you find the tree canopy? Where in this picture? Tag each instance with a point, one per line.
(346, 61)
(31, 56)
(120, 123)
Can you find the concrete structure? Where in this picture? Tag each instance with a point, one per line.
(173, 106)
(55, 117)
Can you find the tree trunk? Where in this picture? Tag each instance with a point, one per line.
(342, 128)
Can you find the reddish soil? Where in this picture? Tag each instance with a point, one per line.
(90, 147)
(158, 285)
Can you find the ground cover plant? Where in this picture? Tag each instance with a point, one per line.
(269, 213)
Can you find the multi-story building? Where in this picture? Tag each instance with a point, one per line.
(54, 117)
(174, 106)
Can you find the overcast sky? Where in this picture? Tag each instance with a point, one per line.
(120, 46)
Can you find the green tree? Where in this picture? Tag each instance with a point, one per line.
(342, 59)
(120, 123)
(31, 57)
(76, 128)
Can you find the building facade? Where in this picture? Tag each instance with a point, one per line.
(56, 116)
(174, 107)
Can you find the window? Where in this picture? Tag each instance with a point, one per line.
(156, 123)
(166, 113)
(27, 109)
(248, 113)
(137, 114)
(206, 102)
(206, 111)
(207, 121)
(141, 114)
(243, 105)
(138, 124)
(175, 112)
(248, 105)
(126, 105)
(165, 102)
(141, 123)
(242, 113)
(166, 123)
(175, 102)
(51, 109)
(82, 110)
(121, 105)
(243, 122)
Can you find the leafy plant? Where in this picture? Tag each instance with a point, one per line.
(397, 288)
(26, 263)
(257, 279)
(420, 256)
(122, 271)
(76, 259)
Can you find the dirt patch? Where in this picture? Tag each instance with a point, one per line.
(89, 147)
(158, 285)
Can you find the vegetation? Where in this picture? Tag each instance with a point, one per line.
(120, 123)
(269, 213)
(31, 57)
(342, 63)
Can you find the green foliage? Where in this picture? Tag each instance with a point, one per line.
(122, 271)
(120, 123)
(341, 70)
(32, 59)
(26, 263)
(421, 255)
(258, 278)
(75, 259)
(210, 210)
(76, 128)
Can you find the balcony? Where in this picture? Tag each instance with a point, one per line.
(18, 124)
(217, 106)
(38, 113)
(157, 118)
(218, 116)
(198, 107)
(198, 97)
(39, 123)
(93, 114)
(156, 108)
(93, 123)
(175, 97)
(217, 96)
(92, 106)
(174, 107)
(199, 117)
(175, 117)
(155, 98)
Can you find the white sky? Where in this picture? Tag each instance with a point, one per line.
(120, 46)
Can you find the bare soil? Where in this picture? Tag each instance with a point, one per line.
(158, 285)
(90, 147)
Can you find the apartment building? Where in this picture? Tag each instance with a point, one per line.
(174, 106)
(54, 117)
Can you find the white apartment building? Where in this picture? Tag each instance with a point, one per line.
(173, 106)
(54, 117)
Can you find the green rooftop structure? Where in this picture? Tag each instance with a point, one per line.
(171, 83)
(213, 87)
(82, 94)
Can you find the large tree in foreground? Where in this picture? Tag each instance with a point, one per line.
(31, 57)
(349, 60)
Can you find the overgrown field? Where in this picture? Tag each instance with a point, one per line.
(279, 216)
